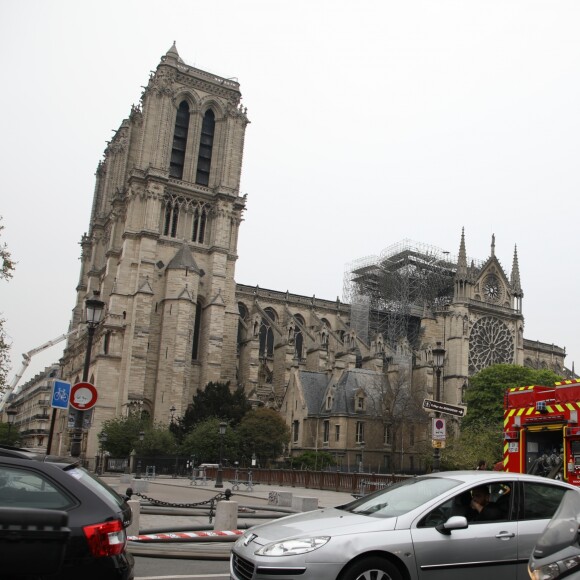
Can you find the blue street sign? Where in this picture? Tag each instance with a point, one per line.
(60, 395)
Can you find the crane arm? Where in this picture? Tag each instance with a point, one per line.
(26, 358)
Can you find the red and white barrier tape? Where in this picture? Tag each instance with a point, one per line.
(176, 536)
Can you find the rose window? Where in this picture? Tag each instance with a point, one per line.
(490, 343)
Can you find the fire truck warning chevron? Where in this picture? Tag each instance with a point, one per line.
(541, 430)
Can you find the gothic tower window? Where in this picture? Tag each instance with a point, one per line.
(171, 218)
(267, 334)
(179, 141)
(199, 223)
(298, 338)
(243, 310)
(196, 333)
(205, 148)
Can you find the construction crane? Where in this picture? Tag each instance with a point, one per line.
(26, 358)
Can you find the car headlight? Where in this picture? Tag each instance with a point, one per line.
(293, 547)
(555, 569)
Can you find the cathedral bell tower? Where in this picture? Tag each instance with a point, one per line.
(162, 247)
(484, 323)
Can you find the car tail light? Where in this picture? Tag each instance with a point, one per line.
(106, 539)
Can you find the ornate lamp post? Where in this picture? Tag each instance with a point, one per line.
(141, 437)
(219, 476)
(11, 413)
(172, 429)
(94, 311)
(102, 440)
(438, 360)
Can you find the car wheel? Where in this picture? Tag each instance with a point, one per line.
(372, 569)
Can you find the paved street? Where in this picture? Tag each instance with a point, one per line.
(193, 560)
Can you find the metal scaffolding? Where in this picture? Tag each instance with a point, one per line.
(390, 293)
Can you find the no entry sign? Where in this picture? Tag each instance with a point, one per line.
(83, 396)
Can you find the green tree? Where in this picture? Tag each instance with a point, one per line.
(482, 427)
(316, 460)
(203, 443)
(483, 441)
(8, 439)
(123, 437)
(485, 395)
(216, 400)
(8, 266)
(264, 433)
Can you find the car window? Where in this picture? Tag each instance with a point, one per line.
(401, 497)
(498, 504)
(26, 488)
(541, 500)
(109, 495)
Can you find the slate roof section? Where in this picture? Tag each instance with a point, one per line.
(316, 386)
(183, 260)
(313, 389)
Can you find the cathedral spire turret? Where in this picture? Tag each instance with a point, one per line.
(172, 53)
(492, 245)
(462, 277)
(462, 259)
(515, 276)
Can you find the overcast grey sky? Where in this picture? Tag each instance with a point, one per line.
(371, 122)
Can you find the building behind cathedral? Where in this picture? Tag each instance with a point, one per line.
(348, 375)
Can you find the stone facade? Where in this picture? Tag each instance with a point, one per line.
(161, 252)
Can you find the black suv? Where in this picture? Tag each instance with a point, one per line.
(95, 518)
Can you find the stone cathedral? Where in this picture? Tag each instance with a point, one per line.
(161, 251)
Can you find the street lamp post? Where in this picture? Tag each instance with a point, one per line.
(11, 413)
(172, 429)
(102, 440)
(438, 360)
(141, 437)
(94, 311)
(219, 476)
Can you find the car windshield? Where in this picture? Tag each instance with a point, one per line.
(562, 531)
(401, 498)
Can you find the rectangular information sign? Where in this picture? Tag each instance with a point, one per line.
(446, 408)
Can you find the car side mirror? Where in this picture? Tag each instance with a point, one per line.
(453, 523)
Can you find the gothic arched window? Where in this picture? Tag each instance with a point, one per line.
(179, 141)
(205, 148)
(243, 310)
(298, 338)
(199, 223)
(196, 333)
(267, 334)
(171, 218)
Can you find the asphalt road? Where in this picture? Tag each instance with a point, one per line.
(180, 569)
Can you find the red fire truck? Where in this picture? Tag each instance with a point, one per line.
(542, 432)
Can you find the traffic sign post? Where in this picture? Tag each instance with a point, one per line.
(445, 408)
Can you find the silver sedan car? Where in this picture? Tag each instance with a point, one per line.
(454, 525)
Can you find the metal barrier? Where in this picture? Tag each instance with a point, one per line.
(198, 477)
(249, 482)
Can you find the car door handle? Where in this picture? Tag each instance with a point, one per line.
(505, 535)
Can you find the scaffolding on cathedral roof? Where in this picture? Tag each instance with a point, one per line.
(391, 292)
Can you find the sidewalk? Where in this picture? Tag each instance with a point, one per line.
(180, 491)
